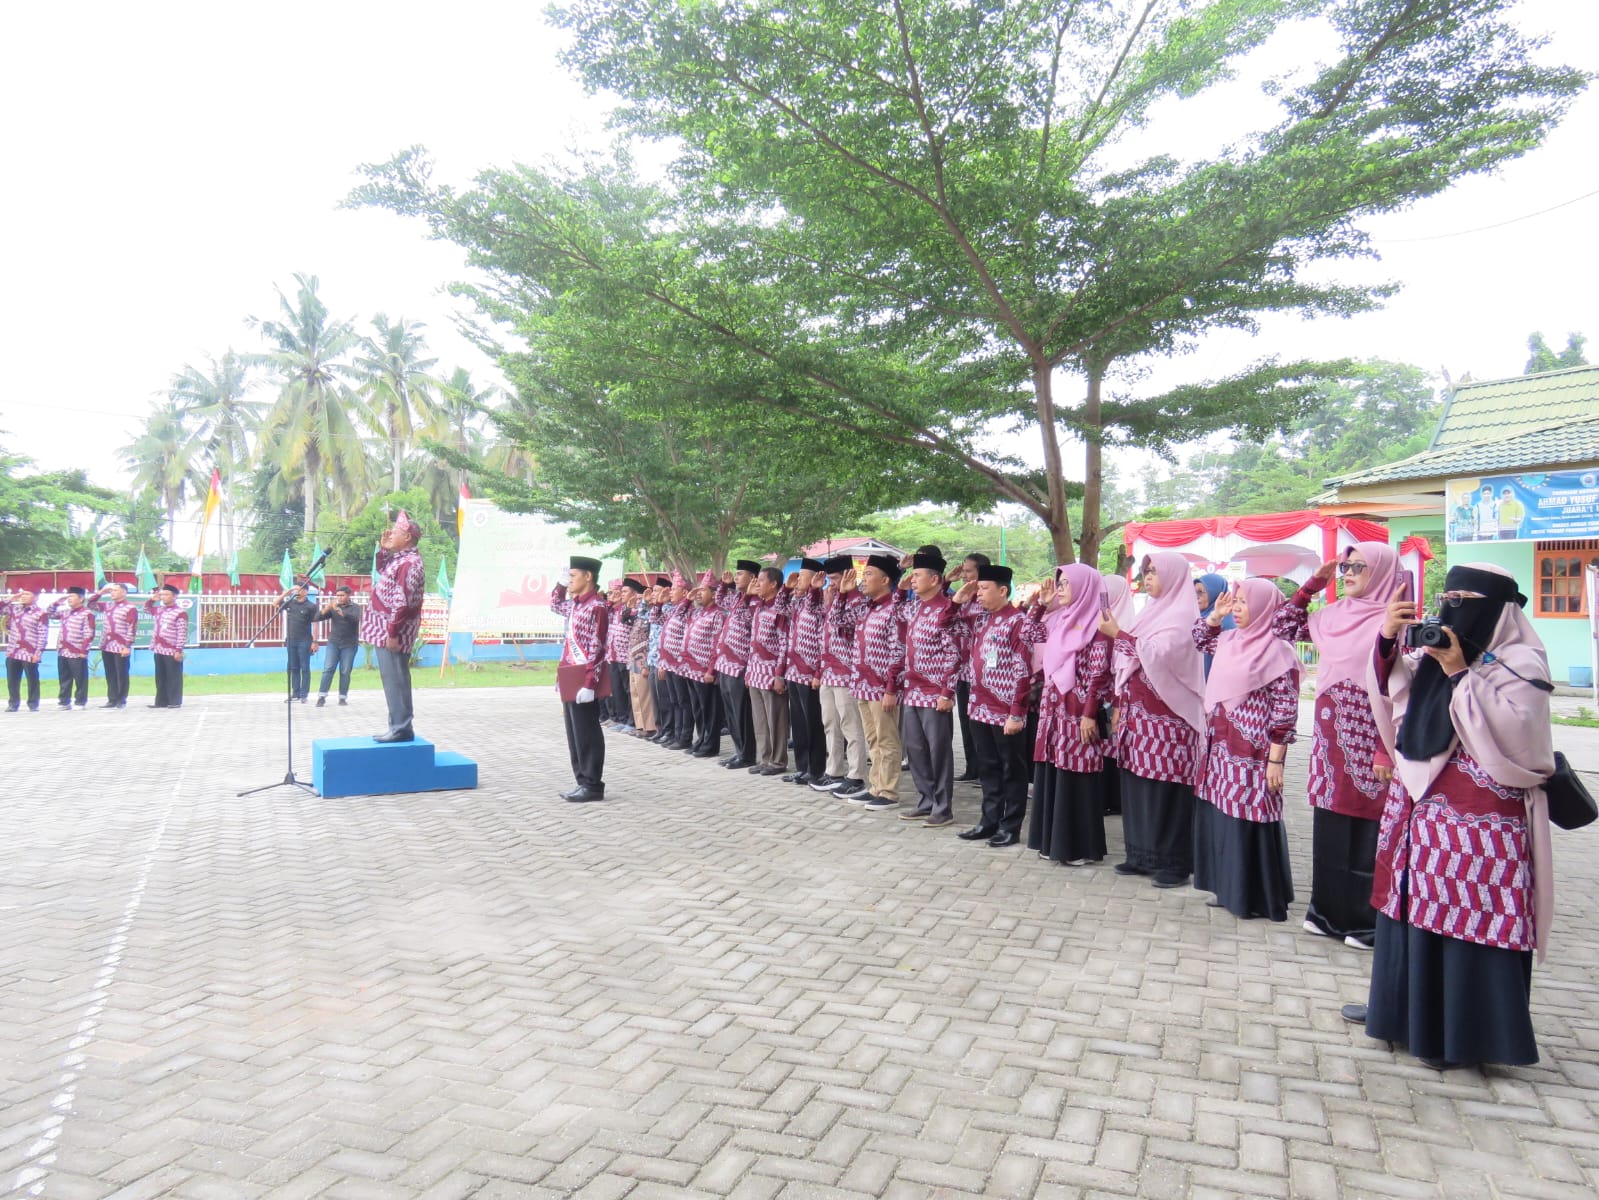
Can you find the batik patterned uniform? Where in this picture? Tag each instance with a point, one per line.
(838, 639)
(935, 647)
(171, 632)
(27, 631)
(1232, 775)
(396, 608)
(877, 662)
(77, 629)
(807, 633)
(699, 649)
(618, 635)
(733, 648)
(1001, 662)
(1060, 741)
(121, 624)
(638, 641)
(1151, 741)
(1464, 853)
(674, 637)
(768, 658)
(587, 632)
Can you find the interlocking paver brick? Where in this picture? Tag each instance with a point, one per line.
(707, 986)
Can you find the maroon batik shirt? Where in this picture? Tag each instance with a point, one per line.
(1059, 741)
(77, 629)
(618, 635)
(733, 648)
(121, 624)
(768, 660)
(807, 633)
(1238, 741)
(877, 662)
(396, 607)
(935, 647)
(699, 651)
(27, 630)
(1001, 662)
(588, 620)
(838, 641)
(674, 636)
(171, 628)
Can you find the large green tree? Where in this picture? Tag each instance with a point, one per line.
(167, 460)
(1541, 356)
(44, 514)
(917, 176)
(400, 392)
(312, 436)
(215, 399)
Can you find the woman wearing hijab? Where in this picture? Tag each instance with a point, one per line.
(1464, 892)
(1207, 588)
(1119, 599)
(1159, 714)
(1252, 706)
(1068, 822)
(1349, 770)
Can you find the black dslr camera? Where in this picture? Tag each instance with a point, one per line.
(1429, 631)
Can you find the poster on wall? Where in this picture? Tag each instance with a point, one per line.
(1541, 506)
(509, 563)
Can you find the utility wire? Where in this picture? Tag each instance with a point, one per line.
(1435, 237)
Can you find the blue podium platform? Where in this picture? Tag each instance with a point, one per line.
(358, 766)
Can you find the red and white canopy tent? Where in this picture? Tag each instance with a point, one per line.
(1289, 545)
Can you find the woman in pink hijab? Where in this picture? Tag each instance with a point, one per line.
(1251, 707)
(1068, 822)
(1349, 770)
(1464, 889)
(1159, 713)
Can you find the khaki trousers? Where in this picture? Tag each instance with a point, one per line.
(638, 683)
(882, 741)
(846, 736)
(770, 713)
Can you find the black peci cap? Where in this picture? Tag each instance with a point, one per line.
(810, 564)
(994, 574)
(888, 566)
(928, 562)
(580, 563)
(747, 564)
(632, 585)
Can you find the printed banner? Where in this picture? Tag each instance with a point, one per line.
(508, 565)
(1546, 506)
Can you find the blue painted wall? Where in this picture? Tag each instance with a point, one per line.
(266, 660)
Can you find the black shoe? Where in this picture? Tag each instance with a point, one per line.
(321, 701)
(766, 770)
(976, 833)
(67, 706)
(1213, 902)
(968, 776)
(1127, 868)
(1004, 838)
(152, 706)
(1355, 1014)
(584, 795)
(707, 753)
(851, 789)
(1168, 879)
(109, 704)
(16, 707)
(399, 735)
(825, 783)
(343, 703)
(570, 792)
(1438, 1064)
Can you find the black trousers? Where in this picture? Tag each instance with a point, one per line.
(73, 674)
(168, 681)
(585, 741)
(740, 719)
(682, 710)
(621, 694)
(963, 699)
(116, 676)
(16, 672)
(707, 700)
(806, 729)
(1002, 770)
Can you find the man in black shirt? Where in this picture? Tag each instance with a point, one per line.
(298, 613)
(344, 626)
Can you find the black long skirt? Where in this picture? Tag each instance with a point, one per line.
(1448, 999)
(1158, 825)
(1068, 822)
(1343, 852)
(1245, 863)
(1113, 787)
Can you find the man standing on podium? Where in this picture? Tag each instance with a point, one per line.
(581, 677)
(393, 619)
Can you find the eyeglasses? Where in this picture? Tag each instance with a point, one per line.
(1456, 599)
(1351, 568)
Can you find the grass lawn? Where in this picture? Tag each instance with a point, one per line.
(361, 679)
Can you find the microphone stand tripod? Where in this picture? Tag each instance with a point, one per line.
(288, 779)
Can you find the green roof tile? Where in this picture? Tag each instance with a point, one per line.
(1502, 408)
(1569, 443)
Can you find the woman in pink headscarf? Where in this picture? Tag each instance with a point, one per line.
(1349, 770)
(1068, 822)
(1251, 706)
(1160, 684)
(1464, 889)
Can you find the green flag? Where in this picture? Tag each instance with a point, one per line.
(143, 573)
(321, 576)
(286, 572)
(376, 546)
(443, 581)
(99, 569)
(233, 568)
(196, 580)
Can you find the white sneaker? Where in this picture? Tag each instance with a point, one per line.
(1312, 927)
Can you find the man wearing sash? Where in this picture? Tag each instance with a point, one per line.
(583, 662)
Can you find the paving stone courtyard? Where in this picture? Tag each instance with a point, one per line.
(710, 985)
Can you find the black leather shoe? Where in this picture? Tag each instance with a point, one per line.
(1127, 868)
(1004, 838)
(976, 833)
(321, 701)
(706, 753)
(1168, 879)
(584, 795)
(766, 770)
(399, 735)
(1355, 1014)
(966, 777)
(570, 792)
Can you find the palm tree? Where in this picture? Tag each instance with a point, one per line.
(312, 434)
(397, 385)
(215, 397)
(165, 460)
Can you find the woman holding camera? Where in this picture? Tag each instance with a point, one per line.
(1464, 893)
(1349, 770)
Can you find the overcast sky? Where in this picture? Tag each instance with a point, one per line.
(168, 164)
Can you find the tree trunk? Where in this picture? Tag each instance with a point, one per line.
(1093, 466)
(311, 469)
(394, 443)
(1056, 519)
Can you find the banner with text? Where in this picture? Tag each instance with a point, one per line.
(508, 565)
(1546, 506)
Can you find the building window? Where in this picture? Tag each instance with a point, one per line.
(1559, 567)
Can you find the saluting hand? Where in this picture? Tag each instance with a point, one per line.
(1323, 576)
(846, 581)
(1225, 603)
(967, 594)
(1046, 592)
